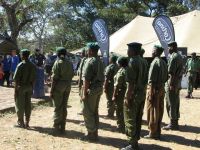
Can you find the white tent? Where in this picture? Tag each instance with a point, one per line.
(140, 29)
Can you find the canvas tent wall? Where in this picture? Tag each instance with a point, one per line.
(140, 29)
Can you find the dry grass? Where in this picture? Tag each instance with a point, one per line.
(40, 137)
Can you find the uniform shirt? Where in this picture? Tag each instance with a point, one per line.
(14, 63)
(175, 67)
(25, 73)
(110, 72)
(135, 72)
(62, 70)
(80, 69)
(157, 72)
(145, 72)
(94, 72)
(120, 78)
(193, 65)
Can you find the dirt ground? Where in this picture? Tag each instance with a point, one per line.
(39, 137)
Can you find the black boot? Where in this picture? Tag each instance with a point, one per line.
(188, 96)
(62, 128)
(20, 124)
(173, 125)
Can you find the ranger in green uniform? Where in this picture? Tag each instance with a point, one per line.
(155, 100)
(134, 101)
(119, 92)
(62, 73)
(24, 78)
(110, 72)
(80, 73)
(173, 86)
(192, 68)
(93, 78)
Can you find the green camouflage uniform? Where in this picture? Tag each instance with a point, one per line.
(120, 83)
(175, 68)
(155, 100)
(133, 113)
(24, 78)
(110, 72)
(62, 73)
(93, 72)
(192, 68)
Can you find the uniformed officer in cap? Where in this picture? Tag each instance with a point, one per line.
(155, 100)
(62, 73)
(93, 78)
(173, 86)
(110, 72)
(192, 69)
(24, 78)
(119, 92)
(134, 101)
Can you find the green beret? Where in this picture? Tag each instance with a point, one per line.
(113, 58)
(193, 54)
(172, 43)
(135, 46)
(24, 50)
(122, 61)
(93, 46)
(158, 47)
(60, 49)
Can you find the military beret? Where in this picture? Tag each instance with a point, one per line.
(93, 46)
(113, 58)
(122, 60)
(158, 47)
(60, 49)
(172, 43)
(193, 54)
(135, 46)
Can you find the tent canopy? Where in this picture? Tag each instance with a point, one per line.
(140, 29)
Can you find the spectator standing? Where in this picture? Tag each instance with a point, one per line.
(6, 69)
(38, 59)
(14, 63)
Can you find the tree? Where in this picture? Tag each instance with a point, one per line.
(17, 16)
(39, 28)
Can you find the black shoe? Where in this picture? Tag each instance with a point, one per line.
(110, 116)
(91, 137)
(19, 125)
(188, 96)
(27, 125)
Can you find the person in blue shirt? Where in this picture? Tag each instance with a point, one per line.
(6, 69)
(14, 62)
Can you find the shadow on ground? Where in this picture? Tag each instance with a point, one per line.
(181, 140)
(153, 147)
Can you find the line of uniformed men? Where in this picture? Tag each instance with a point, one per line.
(125, 86)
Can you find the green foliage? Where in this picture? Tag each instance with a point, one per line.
(68, 22)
